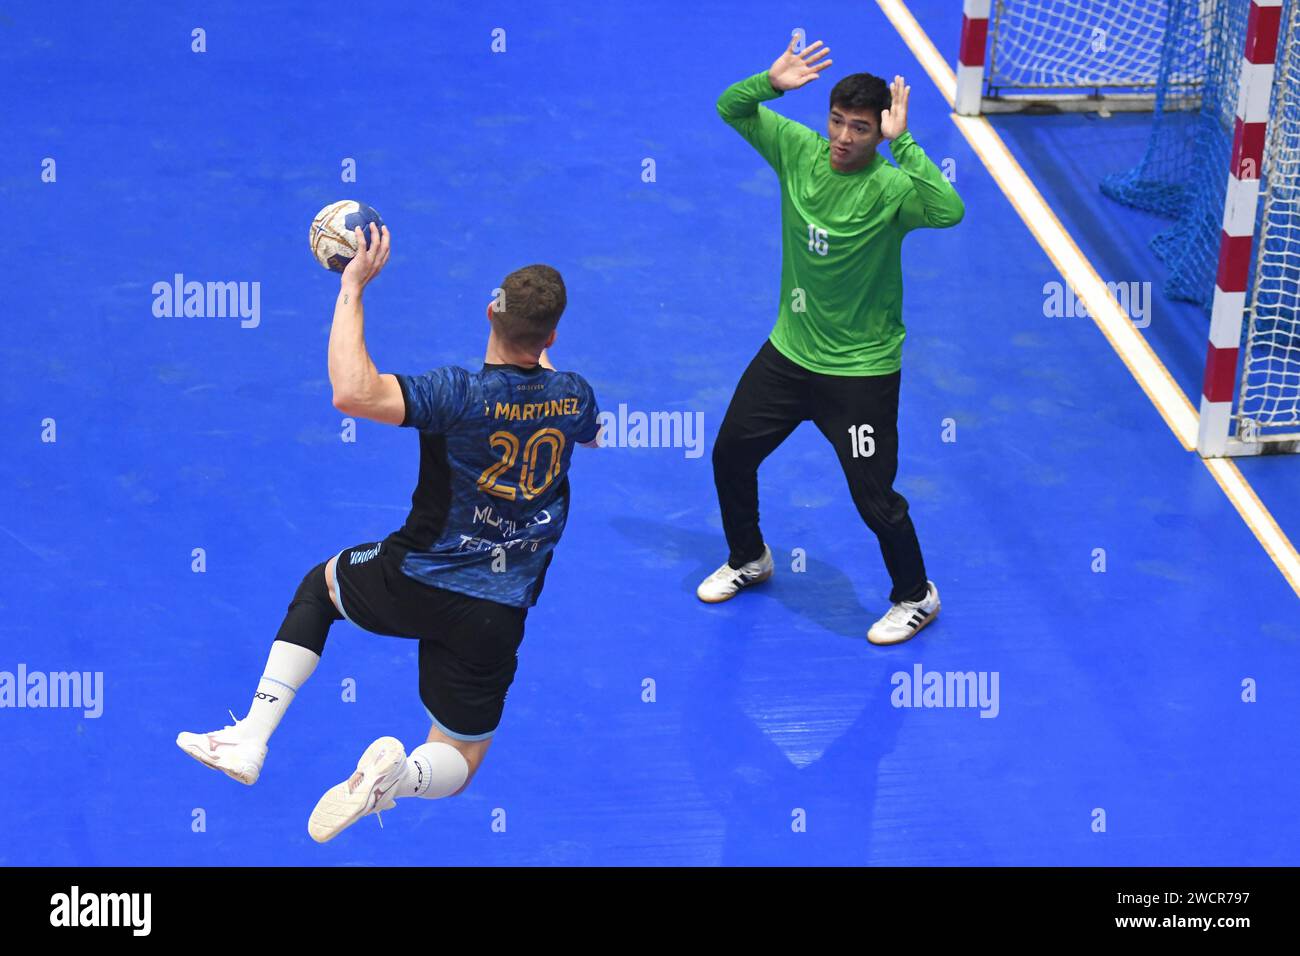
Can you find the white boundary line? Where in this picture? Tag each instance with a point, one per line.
(1136, 354)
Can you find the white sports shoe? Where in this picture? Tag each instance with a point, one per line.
(902, 621)
(226, 750)
(725, 582)
(369, 790)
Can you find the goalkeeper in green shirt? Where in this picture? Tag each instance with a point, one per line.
(835, 353)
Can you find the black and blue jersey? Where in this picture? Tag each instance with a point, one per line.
(493, 492)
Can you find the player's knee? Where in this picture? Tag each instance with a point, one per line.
(465, 786)
(471, 751)
(473, 760)
(719, 453)
(728, 453)
(311, 613)
(315, 592)
(331, 580)
(885, 516)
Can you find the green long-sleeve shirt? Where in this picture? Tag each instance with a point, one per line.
(841, 237)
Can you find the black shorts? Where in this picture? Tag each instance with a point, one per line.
(468, 645)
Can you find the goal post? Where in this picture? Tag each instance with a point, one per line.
(1233, 370)
(1223, 162)
(970, 57)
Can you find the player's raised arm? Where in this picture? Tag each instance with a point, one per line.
(932, 201)
(359, 389)
(762, 128)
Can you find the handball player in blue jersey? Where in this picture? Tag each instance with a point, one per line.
(460, 575)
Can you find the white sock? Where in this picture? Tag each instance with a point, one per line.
(433, 770)
(288, 666)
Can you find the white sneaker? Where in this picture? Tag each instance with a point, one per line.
(902, 621)
(725, 582)
(226, 750)
(369, 790)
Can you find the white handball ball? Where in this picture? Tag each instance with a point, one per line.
(332, 239)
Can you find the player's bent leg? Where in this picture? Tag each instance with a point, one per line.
(239, 750)
(313, 610)
(914, 599)
(369, 789)
(466, 665)
(743, 441)
(446, 762)
(440, 767)
(466, 670)
(868, 457)
(886, 513)
(858, 415)
(443, 766)
(769, 403)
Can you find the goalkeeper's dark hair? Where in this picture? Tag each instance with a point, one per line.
(862, 92)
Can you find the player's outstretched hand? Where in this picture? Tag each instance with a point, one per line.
(367, 263)
(792, 70)
(893, 121)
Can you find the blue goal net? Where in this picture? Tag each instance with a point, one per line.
(1183, 174)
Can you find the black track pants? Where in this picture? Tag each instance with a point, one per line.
(772, 398)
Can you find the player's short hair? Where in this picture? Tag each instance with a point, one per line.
(530, 306)
(862, 92)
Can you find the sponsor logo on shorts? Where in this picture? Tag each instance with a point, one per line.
(361, 557)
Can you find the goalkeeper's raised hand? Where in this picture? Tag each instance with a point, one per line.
(893, 121)
(792, 70)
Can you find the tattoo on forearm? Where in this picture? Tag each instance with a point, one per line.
(345, 298)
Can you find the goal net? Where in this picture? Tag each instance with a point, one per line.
(1107, 51)
(1269, 404)
(1183, 61)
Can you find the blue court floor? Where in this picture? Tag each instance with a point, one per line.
(773, 736)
